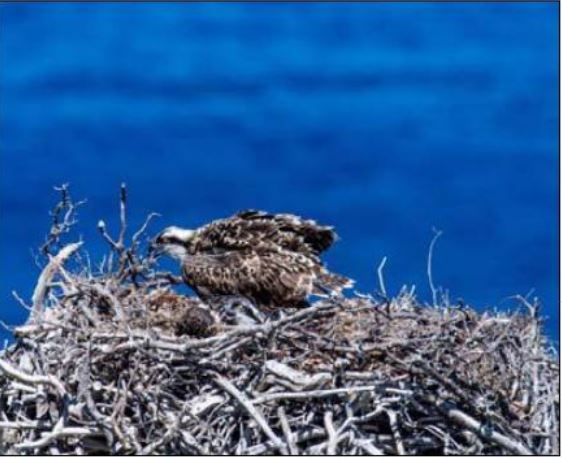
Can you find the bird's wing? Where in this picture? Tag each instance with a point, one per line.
(292, 231)
(261, 231)
(276, 278)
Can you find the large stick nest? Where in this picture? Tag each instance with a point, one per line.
(113, 360)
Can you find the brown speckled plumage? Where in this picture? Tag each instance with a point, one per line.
(180, 315)
(271, 259)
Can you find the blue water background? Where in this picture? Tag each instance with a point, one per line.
(385, 120)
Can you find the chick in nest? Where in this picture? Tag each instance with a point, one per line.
(180, 315)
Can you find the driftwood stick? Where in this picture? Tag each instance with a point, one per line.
(303, 395)
(381, 277)
(17, 425)
(45, 278)
(430, 265)
(312, 434)
(331, 431)
(368, 447)
(253, 411)
(122, 216)
(289, 436)
(392, 417)
(49, 380)
(57, 433)
(488, 432)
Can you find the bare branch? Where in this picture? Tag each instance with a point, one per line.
(142, 229)
(252, 410)
(381, 277)
(13, 372)
(123, 215)
(45, 278)
(430, 265)
(63, 219)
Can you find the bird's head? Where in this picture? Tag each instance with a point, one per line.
(172, 241)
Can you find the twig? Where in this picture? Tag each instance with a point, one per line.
(253, 411)
(20, 300)
(142, 229)
(102, 228)
(123, 216)
(331, 431)
(381, 277)
(58, 432)
(396, 432)
(368, 447)
(49, 380)
(430, 264)
(61, 223)
(303, 395)
(484, 432)
(289, 436)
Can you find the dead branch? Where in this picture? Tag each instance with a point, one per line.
(436, 236)
(63, 219)
(55, 263)
(381, 277)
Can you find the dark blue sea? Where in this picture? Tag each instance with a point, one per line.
(384, 120)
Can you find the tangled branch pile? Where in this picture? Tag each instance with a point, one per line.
(114, 361)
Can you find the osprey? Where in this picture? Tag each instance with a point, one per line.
(272, 260)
